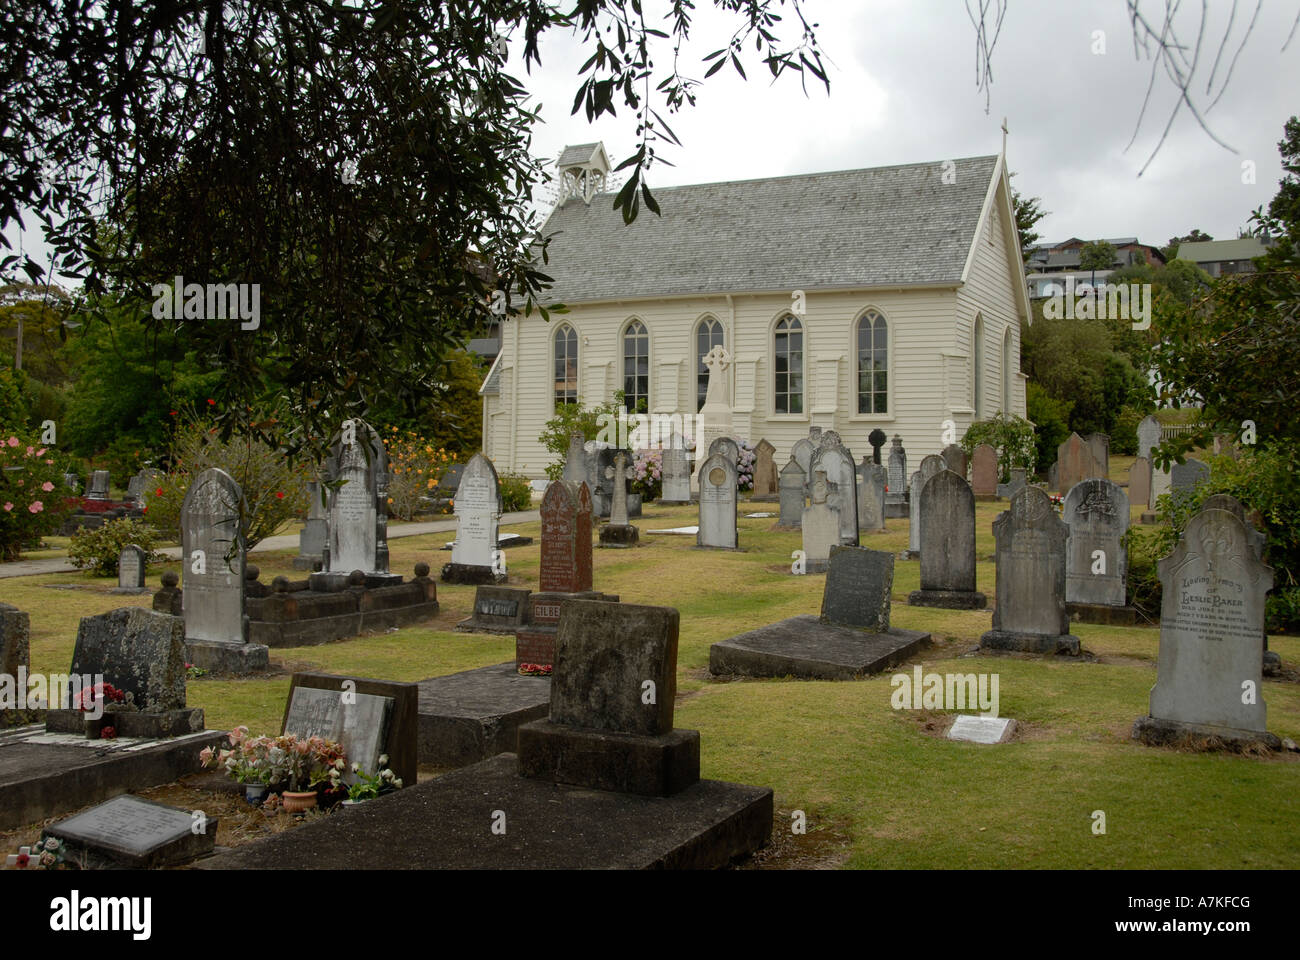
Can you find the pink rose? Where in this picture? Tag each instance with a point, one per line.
(30, 451)
(41, 452)
(8, 507)
(36, 506)
(13, 441)
(47, 486)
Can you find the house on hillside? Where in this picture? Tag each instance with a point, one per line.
(1217, 257)
(886, 298)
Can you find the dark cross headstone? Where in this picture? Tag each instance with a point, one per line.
(877, 440)
(566, 538)
(212, 560)
(947, 545)
(1030, 613)
(793, 496)
(858, 586)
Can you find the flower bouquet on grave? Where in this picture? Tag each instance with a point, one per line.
(99, 699)
(48, 854)
(535, 669)
(248, 761)
(369, 786)
(307, 767)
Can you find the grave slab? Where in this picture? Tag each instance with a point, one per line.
(981, 729)
(445, 824)
(807, 647)
(470, 716)
(134, 833)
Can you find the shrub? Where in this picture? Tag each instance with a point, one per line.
(516, 492)
(647, 474)
(99, 549)
(1123, 436)
(32, 503)
(573, 418)
(1051, 423)
(124, 458)
(415, 468)
(1011, 436)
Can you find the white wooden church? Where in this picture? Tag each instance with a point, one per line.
(886, 298)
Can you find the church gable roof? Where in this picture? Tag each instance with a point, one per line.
(852, 228)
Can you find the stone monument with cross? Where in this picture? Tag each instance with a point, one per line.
(618, 532)
(715, 418)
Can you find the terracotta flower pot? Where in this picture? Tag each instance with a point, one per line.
(298, 802)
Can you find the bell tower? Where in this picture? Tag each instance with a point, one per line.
(583, 171)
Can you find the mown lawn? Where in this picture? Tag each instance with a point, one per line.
(882, 780)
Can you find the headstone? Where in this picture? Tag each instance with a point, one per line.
(72, 482)
(478, 512)
(134, 833)
(858, 587)
(358, 514)
(930, 466)
(871, 498)
(314, 536)
(599, 459)
(1211, 634)
(896, 489)
(1097, 512)
(955, 459)
(1184, 477)
(820, 526)
(793, 497)
(575, 461)
(1074, 457)
(1161, 484)
(676, 473)
(1223, 501)
(618, 532)
(726, 446)
(1149, 434)
(137, 651)
(984, 472)
(718, 494)
(947, 544)
(981, 729)
(715, 417)
(1225, 444)
(1139, 482)
(877, 440)
(765, 475)
(801, 453)
(566, 538)
(813, 433)
(1054, 477)
(131, 569)
(827, 438)
(356, 721)
(497, 609)
(1030, 613)
(15, 642)
(212, 560)
(98, 489)
(837, 462)
(1008, 490)
(1099, 447)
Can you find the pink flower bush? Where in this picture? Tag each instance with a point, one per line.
(29, 485)
(47, 486)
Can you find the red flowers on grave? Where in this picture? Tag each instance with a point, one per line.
(89, 696)
(535, 669)
(108, 733)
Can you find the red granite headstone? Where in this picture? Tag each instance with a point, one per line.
(1075, 462)
(566, 538)
(984, 471)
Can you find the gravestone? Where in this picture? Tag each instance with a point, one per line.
(1225, 444)
(137, 651)
(566, 539)
(765, 475)
(930, 466)
(138, 486)
(726, 446)
(985, 730)
(1224, 501)
(1209, 683)
(358, 511)
(1096, 561)
(718, 492)
(1161, 484)
(356, 721)
(1099, 447)
(1054, 478)
(130, 570)
(133, 833)
(877, 440)
(801, 453)
(715, 417)
(599, 459)
(15, 655)
(984, 472)
(1149, 434)
(858, 586)
(896, 487)
(676, 472)
(813, 433)
(1184, 477)
(314, 536)
(72, 482)
(871, 498)
(826, 438)
(618, 532)
(497, 610)
(575, 461)
(474, 554)
(1030, 614)
(1075, 460)
(793, 496)
(947, 545)
(842, 483)
(1139, 482)
(98, 489)
(1008, 490)
(954, 457)
(820, 526)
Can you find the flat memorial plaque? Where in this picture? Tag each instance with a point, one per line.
(136, 832)
(981, 729)
(678, 531)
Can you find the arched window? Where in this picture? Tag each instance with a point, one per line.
(1007, 372)
(636, 367)
(873, 363)
(566, 365)
(708, 334)
(787, 391)
(977, 360)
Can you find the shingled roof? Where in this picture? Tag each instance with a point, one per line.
(852, 228)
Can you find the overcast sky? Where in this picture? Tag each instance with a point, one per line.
(903, 91)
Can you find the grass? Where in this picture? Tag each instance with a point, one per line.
(887, 780)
